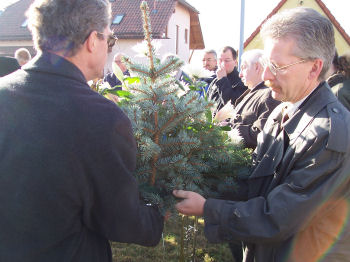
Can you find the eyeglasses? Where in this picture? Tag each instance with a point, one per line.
(111, 39)
(275, 69)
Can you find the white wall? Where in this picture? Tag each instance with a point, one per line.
(121, 46)
(181, 18)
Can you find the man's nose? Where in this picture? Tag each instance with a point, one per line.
(267, 75)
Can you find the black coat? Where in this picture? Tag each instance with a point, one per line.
(296, 202)
(340, 86)
(67, 156)
(8, 65)
(251, 112)
(226, 89)
(113, 81)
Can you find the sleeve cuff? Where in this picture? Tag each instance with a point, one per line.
(217, 220)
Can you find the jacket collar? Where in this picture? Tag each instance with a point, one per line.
(50, 63)
(234, 74)
(250, 92)
(261, 85)
(318, 100)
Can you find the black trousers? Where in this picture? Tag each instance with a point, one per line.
(236, 250)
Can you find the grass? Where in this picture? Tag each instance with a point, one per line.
(168, 250)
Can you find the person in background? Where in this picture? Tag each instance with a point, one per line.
(67, 153)
(294, 206)
(23, 56)
(8, 65)
(210, 60)
(339, 81)
(111, 78)
(253, 107)
(227, 86)
(210, 64)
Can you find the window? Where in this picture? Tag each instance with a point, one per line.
(165, 34)
(25, 23)
(186, 36)
(117, 19)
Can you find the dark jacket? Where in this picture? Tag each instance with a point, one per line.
(8, 65)
(297, 197)
(340, 86)
(67, 156)
(113, 80)
(226, 89)
(251, 112)
(208, 81)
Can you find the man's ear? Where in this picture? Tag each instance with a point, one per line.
(316, 69)
(257, 66)
(91, 42)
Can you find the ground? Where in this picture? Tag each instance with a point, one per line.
(168, 250)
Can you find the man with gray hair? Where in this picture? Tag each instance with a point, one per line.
(67, 153)
(23, 56)
(251, 109)
(294, 206)
(210, 63)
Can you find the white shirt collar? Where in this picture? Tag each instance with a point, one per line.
(291, 108)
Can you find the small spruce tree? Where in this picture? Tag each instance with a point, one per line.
(179, 146)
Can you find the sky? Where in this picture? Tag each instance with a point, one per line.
(4, 3)
(220, 19)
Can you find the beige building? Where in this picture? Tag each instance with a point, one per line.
(175, 24)
(342, 39)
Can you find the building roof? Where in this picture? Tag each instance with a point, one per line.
(160, 13)
(11, 20)
(131, 24)
(321, 5)
(129, 27)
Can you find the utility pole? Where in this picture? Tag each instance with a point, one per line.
(241, 40)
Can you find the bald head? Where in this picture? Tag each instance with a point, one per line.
(118, 60)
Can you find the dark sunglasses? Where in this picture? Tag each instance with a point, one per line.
(111, 39)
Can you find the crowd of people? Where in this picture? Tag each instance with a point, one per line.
(68, 154)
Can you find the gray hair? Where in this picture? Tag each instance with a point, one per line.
(64, 25)
(252, 56)
(313, 33)
(211, 51)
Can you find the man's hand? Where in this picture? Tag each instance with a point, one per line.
(192, 203)
(221, 72)
(112, 97)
